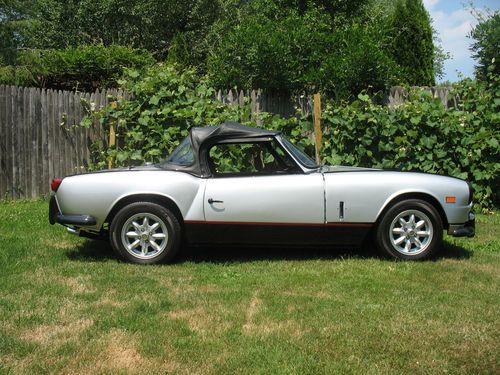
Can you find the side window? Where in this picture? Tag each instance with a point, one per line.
(255, 158)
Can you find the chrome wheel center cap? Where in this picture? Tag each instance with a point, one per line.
(145, 236)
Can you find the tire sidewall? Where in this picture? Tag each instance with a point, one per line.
(382, 233)
(164, 214)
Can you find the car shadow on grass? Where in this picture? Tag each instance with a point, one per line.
(249, 254)
(452, 251)
(100, 251)
(92, 251)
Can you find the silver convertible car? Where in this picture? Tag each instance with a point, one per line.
(232, 184)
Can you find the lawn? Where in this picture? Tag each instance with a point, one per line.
(67, 305)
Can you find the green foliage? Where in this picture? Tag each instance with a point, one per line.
(166, 103)
(13, 20)
(134, 23)
(82, 68)
(418, 135)
(337, 46)
(486, 46)
(422, 135)
(300, 51)
(412, 42)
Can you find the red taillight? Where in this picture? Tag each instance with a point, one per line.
(54, 185)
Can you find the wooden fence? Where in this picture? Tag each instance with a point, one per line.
(397, 95)
(38, 140)
(287, 106)
(279, 104)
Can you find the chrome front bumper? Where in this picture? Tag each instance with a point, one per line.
(468, 229)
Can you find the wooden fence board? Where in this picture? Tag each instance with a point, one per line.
(17, 125)
(7, 149)
(71, 133)
(3, 164)
(63, 160)
(45, 142)
(23, 146)
(39, 180)
(56, 157)
(34, 124)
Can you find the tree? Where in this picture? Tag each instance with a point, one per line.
(412, 42)
(296, 48)
(86, 67)
(148, 24)
(13, 19)
(486, 46)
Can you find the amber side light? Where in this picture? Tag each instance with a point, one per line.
(451, 199)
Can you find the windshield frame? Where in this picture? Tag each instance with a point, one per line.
(297, 154)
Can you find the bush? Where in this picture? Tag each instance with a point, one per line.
(166, 103)
(418, 135)
(422, 135)
(301, 52)
(85, 68)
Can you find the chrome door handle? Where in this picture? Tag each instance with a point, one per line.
(210, 201)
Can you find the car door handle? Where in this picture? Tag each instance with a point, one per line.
(210, 201)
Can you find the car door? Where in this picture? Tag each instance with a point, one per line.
(257, 196)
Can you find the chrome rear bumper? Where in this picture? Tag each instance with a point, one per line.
(56, 217)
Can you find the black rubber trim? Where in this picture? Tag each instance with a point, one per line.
(53, 210)
(219, 233)
(471, 192)
(75, 219)
(468, 230)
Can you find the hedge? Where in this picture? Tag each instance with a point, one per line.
(418, 135)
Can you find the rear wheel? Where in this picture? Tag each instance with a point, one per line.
(145, 233)
(410, 230)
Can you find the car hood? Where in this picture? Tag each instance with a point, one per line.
(411, 174)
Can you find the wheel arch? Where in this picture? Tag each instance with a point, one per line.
(415, 195)
(144, 197)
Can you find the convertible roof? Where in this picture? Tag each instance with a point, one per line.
(227, 130)
(203, 137)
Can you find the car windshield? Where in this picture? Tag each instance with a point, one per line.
(182, 155)
(298, 154)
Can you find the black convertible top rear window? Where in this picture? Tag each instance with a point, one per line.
(183, 155)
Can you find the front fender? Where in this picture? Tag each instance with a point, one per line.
(365, 194)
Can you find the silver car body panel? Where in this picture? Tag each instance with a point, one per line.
(296, 198)
(96, 193)
(366, 193)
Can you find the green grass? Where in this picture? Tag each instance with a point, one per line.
(67, 305)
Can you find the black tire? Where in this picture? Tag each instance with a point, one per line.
(168, 225)
(393, 236)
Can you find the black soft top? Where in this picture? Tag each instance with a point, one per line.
(202, 138)
(227, 130)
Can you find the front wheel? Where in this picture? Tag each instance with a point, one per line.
(410, 230)
(145, 233)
